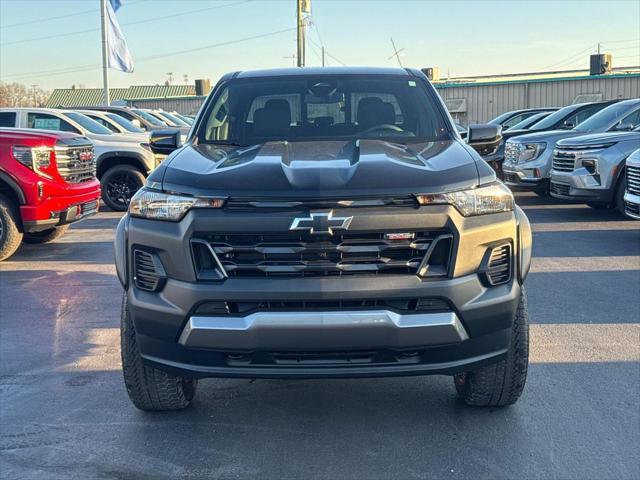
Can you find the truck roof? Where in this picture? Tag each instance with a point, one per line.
(34, 132)
(315, 71)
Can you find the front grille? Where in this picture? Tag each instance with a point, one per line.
(496, 266)
(511, 153)
(304, 254)
(564, 161)
(148, 273)
(560, 188)
(633, 179)
(76, 164)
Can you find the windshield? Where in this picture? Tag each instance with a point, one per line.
(88, 124)
(605, 118)
(323, 108)
(150, 118)
(556, 117)
(501, 118)
(175, 120)
(187, 120)
(124, 123)
(528, 122)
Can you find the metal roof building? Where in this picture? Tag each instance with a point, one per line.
(477, 100)
(93, 96)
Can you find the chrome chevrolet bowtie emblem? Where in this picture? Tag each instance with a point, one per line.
(322, 222)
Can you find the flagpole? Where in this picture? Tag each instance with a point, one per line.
(105, 67)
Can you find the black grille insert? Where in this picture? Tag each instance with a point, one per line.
(560, 188)
(496, 266)
(149, 275)
(304, 254)
(633, 179)
(400, 305)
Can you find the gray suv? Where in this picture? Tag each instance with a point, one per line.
(323, 223)
(590, 168)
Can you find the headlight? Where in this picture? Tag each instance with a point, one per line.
(163, 206)
(530, 151)
(494, 198)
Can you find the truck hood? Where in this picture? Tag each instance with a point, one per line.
(551, 136)
(599, 138)
(320, 169)
(122, 138)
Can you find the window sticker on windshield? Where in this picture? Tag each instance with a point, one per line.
(47, 123)
(412, 83)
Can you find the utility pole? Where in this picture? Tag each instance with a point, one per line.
(301, 32)
(106, 100)
(323, 56)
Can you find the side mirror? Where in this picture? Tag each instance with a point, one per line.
(484, 138)
(137, 123)
(569, 125)
(163, 142)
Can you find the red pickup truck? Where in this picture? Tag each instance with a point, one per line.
(47, 181)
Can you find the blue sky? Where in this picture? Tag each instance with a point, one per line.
(461, 37)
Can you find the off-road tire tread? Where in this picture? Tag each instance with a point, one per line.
(12, 237)
(45, 236)
(502, 383)
(148, 388)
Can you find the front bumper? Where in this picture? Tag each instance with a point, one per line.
(55, 211)
(579, 185)
(473, 330)
(528, 175)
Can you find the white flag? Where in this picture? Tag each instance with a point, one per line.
(119, 56)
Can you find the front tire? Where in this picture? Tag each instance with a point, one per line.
(119, 184)
(10, 236)
(45, 236)
(148, 388)
(501, 383)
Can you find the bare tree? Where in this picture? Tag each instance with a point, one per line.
(18, 95)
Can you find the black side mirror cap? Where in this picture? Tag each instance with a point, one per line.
(484, 138)
(163, 142)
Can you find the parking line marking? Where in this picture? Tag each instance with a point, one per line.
(585, 264)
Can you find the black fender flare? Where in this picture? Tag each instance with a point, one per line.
(525, 244)
(13, 185)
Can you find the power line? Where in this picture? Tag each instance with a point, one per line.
(327, 53)
(49, 19)
(137, 22)
(571, 58)
(148, 58)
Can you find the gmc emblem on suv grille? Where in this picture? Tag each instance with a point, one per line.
(321, 223)
(85, 156)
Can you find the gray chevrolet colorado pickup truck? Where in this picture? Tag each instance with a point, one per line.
(323, 223)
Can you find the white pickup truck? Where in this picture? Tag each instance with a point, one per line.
(122, 161)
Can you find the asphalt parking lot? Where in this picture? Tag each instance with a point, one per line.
(64, 412)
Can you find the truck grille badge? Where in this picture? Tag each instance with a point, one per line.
(321, 223)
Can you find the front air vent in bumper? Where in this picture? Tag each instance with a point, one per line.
(148, 272)
(496, 266)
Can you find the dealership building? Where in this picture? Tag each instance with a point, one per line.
(469, 99)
